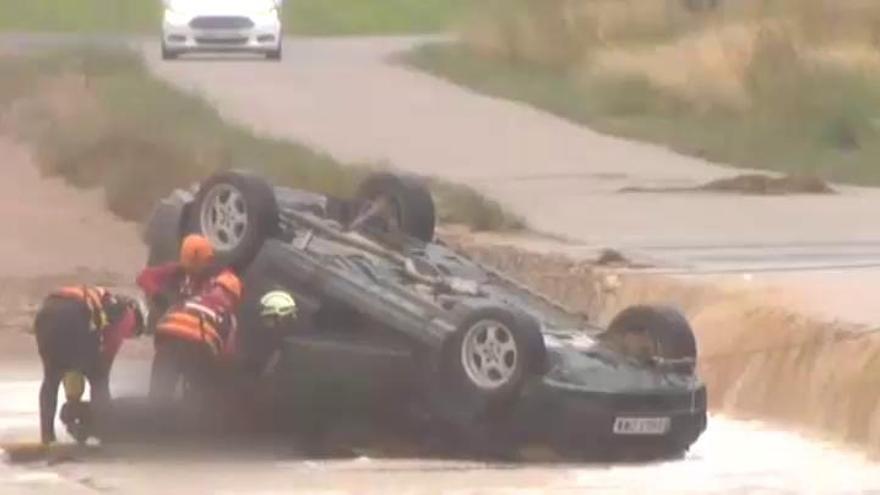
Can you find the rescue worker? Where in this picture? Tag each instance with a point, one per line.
(277, 308)
(79, 331)
(200, 324)
(278, 316)
(173, 282)
(254, 404)
(269, 318)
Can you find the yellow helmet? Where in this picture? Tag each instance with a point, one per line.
(277, 305)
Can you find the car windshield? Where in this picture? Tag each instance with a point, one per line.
(208, 4)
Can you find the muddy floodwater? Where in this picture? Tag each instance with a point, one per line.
(731, 457)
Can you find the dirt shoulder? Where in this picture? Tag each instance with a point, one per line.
(54, 229)
(55, 235)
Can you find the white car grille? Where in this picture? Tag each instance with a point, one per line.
(222, 41)
(221, 22)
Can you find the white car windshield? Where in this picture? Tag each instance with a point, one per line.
(208, 5)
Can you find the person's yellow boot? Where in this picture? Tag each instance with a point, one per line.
(76, 414)
(74, 386)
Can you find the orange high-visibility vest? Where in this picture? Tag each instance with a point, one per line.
(93, 297)
(193, 322)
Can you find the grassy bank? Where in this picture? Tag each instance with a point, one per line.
(772, 88)
(306, 17)
(99, 119)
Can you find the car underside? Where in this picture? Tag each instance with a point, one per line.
(392, 318)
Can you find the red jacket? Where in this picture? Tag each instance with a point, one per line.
(114, 335)
(169, 279)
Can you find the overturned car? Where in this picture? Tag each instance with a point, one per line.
(391, 318)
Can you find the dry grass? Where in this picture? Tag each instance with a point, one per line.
(703, 56)
(785, 85)
(705, 67)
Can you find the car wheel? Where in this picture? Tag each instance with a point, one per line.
(275, 54)
(168, 54)
(486, 362)
(654, 333)
(237, 212)
(402, 204)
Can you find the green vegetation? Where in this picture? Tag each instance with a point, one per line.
(325, 17)
(754, 92)
(100, 120)
(302, 17)
(117, 16)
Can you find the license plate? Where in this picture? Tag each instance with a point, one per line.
(219, 34)
(641, 426)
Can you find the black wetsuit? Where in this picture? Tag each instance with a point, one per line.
(66, 342)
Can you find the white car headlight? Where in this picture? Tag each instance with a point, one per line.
(264, 18)
(270, 11)
(172, 7)
(265, 8)
(176, 17)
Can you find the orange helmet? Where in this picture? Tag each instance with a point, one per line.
(196, 253)
(230, 282)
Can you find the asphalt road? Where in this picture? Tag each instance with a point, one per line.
(347, 97)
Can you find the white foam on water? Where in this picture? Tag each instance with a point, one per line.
(36, 477)
(739, 456)
(19, 397)
(20, 407)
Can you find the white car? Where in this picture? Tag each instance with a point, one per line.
(221, 26)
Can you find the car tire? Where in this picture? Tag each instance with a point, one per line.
(664, 329)
(168, 54)
(414, 211)
(237, 212)
(275, 55)
(465, 390)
